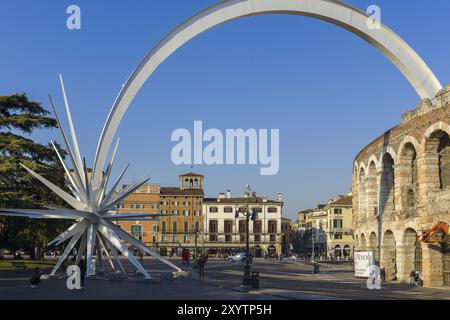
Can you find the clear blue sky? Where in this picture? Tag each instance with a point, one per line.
(329, 92)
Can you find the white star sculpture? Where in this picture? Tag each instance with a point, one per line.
(92, 210)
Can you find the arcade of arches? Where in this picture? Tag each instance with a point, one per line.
(401, 188)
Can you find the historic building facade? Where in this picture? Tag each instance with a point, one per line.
(224, 232)
(145, 199)
(401, 192)
(180, 225)
(340, 242)
(183, 224)
(326, 230)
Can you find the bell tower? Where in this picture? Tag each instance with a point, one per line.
(191, 181)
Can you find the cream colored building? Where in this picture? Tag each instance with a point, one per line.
(327, 229)
(339, 227)
(226, 233)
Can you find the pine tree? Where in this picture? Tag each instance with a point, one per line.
(19, 116)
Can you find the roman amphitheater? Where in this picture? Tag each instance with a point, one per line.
(401, 194)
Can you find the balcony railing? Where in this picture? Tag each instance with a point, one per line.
(239, 238)
(340, 230)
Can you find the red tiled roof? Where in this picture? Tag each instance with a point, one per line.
(174, 191)
(344, 201)
(191, 174)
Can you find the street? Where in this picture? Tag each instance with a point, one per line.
(279, 280)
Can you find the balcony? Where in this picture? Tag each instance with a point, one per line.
(340, 230)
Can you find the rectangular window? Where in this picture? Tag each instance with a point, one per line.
(213, 226)
(186, 213)
(272, 227)
(228, 209)
(337, 211)
(196, 226)
(175, 226)
(337, 223)
(186, 226)
(155, 228)
(136, 230)
(228, 226)
(164, 226)
(272, 210)
(213, 209)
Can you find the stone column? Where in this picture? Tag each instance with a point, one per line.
(428, 174)
(402, 172)
(388, 260)
(432, 265)
(405, 262)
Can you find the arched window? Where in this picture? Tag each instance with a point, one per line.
(408, 176)
(372, 190)
(437, 147)
(362, 193)
(387, 185)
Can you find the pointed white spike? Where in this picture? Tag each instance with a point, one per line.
(102, 190)
(110, 235)
(88, 184)
(125, 236)
(80, 226)
(76, 204)
(72, 128)
(116, 183)
(90, 250)
(105, 249)
(66, 252)
(81, 248)
(62, 234)
(6, 213)
(116, 256)
(77, 177)
(68, 174)
(122, 195)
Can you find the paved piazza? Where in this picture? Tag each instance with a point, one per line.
(286, 280)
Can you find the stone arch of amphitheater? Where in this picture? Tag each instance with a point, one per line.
(401, 188)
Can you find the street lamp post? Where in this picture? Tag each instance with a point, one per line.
(313, 235)
(249, 212)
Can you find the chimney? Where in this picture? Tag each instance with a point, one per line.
(221, 196)
(264, 199)
(280, 197)
(228, 194)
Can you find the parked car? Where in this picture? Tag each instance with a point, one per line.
(240, 257)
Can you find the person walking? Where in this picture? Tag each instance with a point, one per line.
(35, 278)
(412, 277)
(383, 274)
(82, 266)
(201, 265)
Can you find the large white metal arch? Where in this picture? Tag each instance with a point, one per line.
(334, 11)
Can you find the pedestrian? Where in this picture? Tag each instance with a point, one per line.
(201, 265)
(383, 274)
(141, 256)
(35, 278)
(412, 277)
(82, 266)
(188, 256)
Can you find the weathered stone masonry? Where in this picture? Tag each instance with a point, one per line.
(401, 187)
